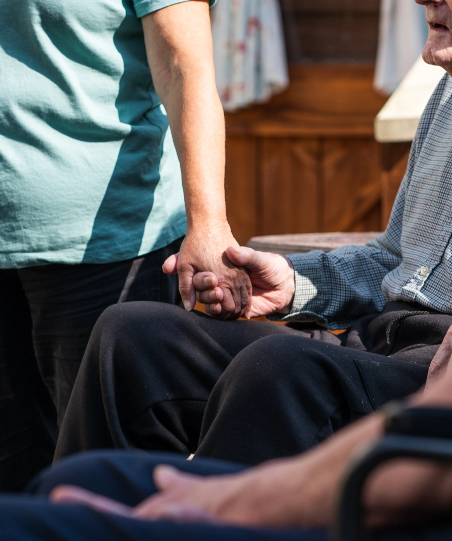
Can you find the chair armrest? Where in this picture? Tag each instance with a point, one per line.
(348, 522)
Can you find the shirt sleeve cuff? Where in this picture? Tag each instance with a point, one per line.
(307, 304)
(144, 7)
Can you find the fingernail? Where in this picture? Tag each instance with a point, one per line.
(208, 282)
(187, 306)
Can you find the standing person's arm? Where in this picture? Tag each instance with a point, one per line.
(179, 47)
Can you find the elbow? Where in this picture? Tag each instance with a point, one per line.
(165, 80)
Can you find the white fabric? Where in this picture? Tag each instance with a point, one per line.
(249, 51)
(403, 33)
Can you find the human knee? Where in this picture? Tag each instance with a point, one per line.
(125, 320)
(121, 316)
(275, 362)
(74, 470)
(258, 363)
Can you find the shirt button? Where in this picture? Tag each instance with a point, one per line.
(424, 271)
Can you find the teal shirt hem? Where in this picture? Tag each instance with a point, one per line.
(72, 256)
(145, 7)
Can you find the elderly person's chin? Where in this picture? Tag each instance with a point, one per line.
(438, 49)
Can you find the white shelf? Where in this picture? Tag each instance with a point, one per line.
(398, 120)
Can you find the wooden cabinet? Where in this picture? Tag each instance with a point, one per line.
(307, 161)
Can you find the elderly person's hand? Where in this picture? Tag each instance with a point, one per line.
(440, 361)
(268, 495)
(205, 250)
(272, 278)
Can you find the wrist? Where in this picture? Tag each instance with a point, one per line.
(289, 285)
(270, 494)
(207, 225)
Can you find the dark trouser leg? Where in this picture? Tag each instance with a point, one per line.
(147, 375)
(27, 415)
(127, 477)
(66, 301)
(46, 317)
(284, 394)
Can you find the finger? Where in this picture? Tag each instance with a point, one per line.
(71, 495)
(213, 309)
(177, 513)
(246, 257)
(170, 265)
(187, 291)
(229, 306)
(202, 281)
(246, 295)
(210, 297)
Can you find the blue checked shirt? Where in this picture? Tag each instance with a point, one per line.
(412, 260)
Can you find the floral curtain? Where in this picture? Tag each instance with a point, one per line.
(249, 51)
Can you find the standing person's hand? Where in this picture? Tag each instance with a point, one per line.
(204, 250)
(272, 278)
(179, 46)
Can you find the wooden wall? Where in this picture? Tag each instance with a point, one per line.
(331, 30)
(307, 160)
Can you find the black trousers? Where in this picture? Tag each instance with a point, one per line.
(158, 378)
(46, 317)
(127, 477)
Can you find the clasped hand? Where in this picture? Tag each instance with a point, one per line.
(272, 281)
(204, 250)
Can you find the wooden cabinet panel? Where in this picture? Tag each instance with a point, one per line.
(289, 189)
(241, 187)
(331, 30)
(352, 185)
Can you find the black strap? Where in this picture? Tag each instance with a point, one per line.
(425, 422)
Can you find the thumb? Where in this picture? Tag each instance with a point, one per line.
(186, 288)
(246, 257)
(72, 495)
(170, 265)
